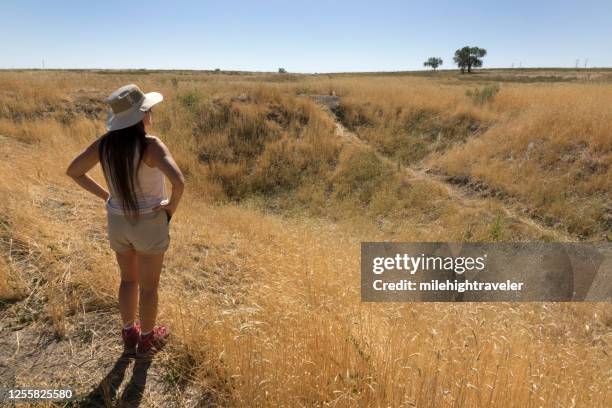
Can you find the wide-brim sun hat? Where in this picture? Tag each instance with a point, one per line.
(128, 106)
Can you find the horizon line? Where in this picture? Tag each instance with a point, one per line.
(213, 70)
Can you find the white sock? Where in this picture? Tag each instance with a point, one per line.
(147, 333)
(129, 325)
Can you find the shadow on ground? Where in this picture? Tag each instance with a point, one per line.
(105, 394)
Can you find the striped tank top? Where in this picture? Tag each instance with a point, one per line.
(150, 190)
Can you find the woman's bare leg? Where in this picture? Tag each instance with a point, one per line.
(128, 289)
(150, 267)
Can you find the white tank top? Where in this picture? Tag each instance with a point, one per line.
(150, 190)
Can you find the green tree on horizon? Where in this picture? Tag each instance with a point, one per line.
(433, 62)
(469, 57)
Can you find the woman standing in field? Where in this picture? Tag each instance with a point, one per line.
(138, 211)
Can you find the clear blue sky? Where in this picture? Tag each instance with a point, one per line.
(301, 36)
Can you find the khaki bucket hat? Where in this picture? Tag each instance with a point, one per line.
(128, 106)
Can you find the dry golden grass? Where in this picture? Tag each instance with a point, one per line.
(265, 307)
(553, 138)
(558, 145)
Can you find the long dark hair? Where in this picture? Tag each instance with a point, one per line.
(116, 150)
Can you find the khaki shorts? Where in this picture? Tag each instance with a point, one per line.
(150, 234)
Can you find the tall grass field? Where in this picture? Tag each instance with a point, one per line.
(261, 284)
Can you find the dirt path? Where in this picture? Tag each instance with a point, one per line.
(466, 196)
(514, 212)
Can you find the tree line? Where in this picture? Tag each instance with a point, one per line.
(466, 58)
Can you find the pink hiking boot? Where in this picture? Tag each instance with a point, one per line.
(153, 341)
(130, 338)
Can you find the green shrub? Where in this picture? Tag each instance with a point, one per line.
(496, 230)
(484, 95)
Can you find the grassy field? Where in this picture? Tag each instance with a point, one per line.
(261, 284)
